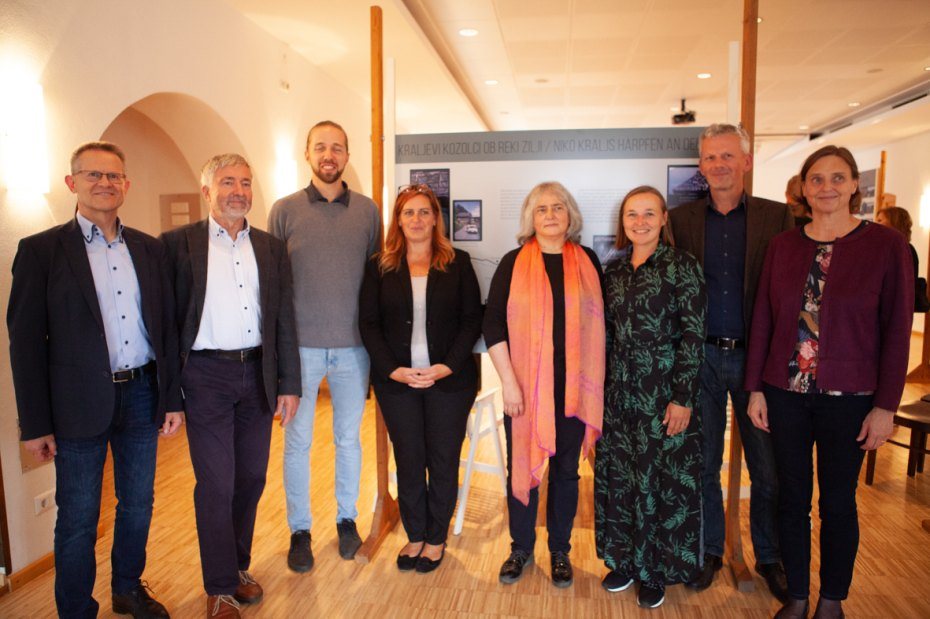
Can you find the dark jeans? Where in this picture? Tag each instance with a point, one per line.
(229, 435)
(562, 500)
(799, 421)
(133, 437)
(427, 427)
(722, 373)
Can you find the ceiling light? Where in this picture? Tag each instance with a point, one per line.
(491, 82)
(541, 80)
(674, 108)
(853, 104)
(804, 127)
(468, 32)
(703, 76)
(758, 20)
(877, 120)
(926, 68)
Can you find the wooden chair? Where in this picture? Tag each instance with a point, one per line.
(916, 416)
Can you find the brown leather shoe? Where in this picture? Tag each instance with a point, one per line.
(248, 591)
(222, 606)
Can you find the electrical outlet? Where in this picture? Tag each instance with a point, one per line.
(45, 501)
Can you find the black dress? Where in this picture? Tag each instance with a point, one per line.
(647, 485)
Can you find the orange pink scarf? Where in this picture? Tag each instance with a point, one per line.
(529, 327)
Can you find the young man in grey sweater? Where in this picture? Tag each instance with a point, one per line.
(330, 232)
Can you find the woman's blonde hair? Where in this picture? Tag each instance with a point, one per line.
(575, 221)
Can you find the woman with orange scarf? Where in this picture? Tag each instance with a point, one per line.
(544, 328)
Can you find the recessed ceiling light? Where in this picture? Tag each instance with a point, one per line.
(674, 108)
(853, 104)
(758, 20)
(704, 76)
(804, 127)
(926, 68)
(491, 82)
(468, 32)
(877, 120)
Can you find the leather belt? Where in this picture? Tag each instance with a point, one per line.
(124, 376)
(242, 355)
(727, 343)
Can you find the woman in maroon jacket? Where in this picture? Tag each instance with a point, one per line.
(827, 359)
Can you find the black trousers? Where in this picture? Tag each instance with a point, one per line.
(229, 436)
(427, 427)
(562, 500)
(798, 422)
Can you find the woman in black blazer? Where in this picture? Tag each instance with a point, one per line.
(419, 317)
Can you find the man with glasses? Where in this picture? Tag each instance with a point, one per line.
(94, 354)
(330, 233)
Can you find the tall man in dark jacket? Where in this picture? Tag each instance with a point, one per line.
(239, 349)
(728, 232)
(93, 348)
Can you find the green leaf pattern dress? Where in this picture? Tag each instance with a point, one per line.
(647, 485)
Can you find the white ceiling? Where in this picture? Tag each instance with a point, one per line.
(612, 63)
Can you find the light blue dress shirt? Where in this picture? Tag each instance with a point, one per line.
(118, 296)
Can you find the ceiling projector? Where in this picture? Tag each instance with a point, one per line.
(685, 117)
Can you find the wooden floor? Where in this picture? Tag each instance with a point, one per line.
(892, 569)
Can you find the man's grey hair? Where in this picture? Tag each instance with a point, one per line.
(718, 129)
(216, 162)
(107, 147)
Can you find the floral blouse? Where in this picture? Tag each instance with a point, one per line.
(802, 368)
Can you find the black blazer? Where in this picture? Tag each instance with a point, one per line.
(58, 347)
(188, 248)
(453, 321)
(764, 219)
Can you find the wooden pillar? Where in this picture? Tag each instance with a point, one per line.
(386, 513)
(733, 549)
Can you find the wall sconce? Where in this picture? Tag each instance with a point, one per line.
(23, 151)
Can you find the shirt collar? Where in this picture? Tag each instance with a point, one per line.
(216, 230)
(741, 205)
(315, 196)
(89, 229)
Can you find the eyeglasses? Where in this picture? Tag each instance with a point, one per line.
(416, 188)
(94, 176)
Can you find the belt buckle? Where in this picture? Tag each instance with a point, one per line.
(123, 380)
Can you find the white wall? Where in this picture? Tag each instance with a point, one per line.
(907, 176)
(96, 58)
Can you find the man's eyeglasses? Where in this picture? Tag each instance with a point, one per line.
(94, 176)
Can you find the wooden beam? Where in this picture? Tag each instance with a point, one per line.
(733, 548)
(386, 513)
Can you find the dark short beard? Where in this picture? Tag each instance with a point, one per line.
(327, 179)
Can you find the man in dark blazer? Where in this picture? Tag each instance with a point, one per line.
(94, 354)
(728, 232)
(240, 367)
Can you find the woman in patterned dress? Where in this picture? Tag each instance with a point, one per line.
(647, 474)
(827, 358)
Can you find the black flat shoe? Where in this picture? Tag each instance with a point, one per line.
(705, 578)
(774, 575)
(405, 563)
(793, 609)
(562, 575)
(424, 565)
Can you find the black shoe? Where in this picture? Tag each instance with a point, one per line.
(793, 609)
(829, 609)
(300, 556)
(405, 563)
(513, 567)
(774, 575)
(712, 563)
(561, 570)
(138, 603)
(651, 595)
(615, 581)
(349, 541)
(426, 565)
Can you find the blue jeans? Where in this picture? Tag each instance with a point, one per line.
(133, 437)
(346, 372)
(722, 373)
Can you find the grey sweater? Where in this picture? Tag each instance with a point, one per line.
(329, 244)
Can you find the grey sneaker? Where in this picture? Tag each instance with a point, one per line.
(349, 541)
(300, 557)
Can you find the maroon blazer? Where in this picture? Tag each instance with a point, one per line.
(865, 313)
